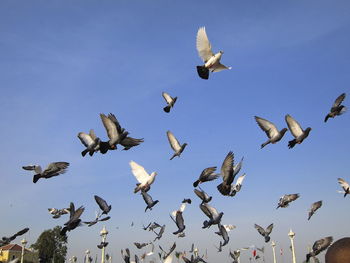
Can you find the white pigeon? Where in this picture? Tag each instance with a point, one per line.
(211, 60)
(169, 100)
(175, 145)
(90, 141)
(145, 180)
(345, 185)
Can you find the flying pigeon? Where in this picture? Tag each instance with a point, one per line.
(206, 176)
(169, 100)
(102, 245)
(175, 145)
(97, 219)
(265, 233)
(296, 130)
(160, 233)
(235, 188)
(57, 213)
(126, 255)
(271, 131)
(7, 240)
(179, 220)
(148, 200)
(90, 141)
(319, 246)
(202, 195)
(145, 180)
(223, 233)
(337, 109)
(313, 208)
(212, 213)
(140, 245)
(345, 186)
(53, 169)
(103, 205)
(74, 220)
(166, 254)
(211, 61)
(286, 199)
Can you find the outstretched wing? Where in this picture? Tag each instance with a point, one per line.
(167, 97)
(339, 100)
(174, 143)
(268, 127)
(260, 230)
(269, 229)
(139, 172)
(203, 45)
(294, 126)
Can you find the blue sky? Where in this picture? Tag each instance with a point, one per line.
(63, 63)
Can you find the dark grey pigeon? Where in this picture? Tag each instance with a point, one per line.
(126, 255)
(265, 233)
(7, 240)
(179, 221)
(74, 220)
(220, 247)
(90, 141)
(206, 176)
(319, 246)
(271, 131)
(227, 174)
(337, 109)
(140, 245)
(96, 220)
(175, 145)
(169, 100)
(53, 169)
(202, 195)
(187, 200)
(296, 130)
(102, 245)
(286, 199)
(315, 206)
(212, 213)
(148, 200)
(103, 205)
(223, 233)
(160, 233)
(166, 254)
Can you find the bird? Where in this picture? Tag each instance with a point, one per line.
(96, 220)
(144, 179)
(228, 228)
(57, 213)
(296, 130)
(202, 195)
(271, 131)
(212, 213)
(337, 109)
(102, 245)
(265, 233)
(179, 220)
(103, 205)
(315, 206)
(148, 200)
(129, 142)
(7, 240)
(319, 246)
(235, 255)
(175, 145)
(53, 169)
(169, 100)
(208, 174)
(345, 185)
(160, 233)
(115, 132)
(286, 199)
(126, 255)
(140, 245)
(74, 219)
(166, 254)
(90, 141)
(223, 233)
(235, 188)
(211, 60)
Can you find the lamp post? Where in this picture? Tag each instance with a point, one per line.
(103, 234)
(24, 243)
(273, 245)
(291, 235)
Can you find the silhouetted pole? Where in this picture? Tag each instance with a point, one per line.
(103, 234)
(24, 243)
(291, 235)
(273, 245)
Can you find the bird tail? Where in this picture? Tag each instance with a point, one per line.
(264, 144)
(173, 156)
(267, 239)
(167, 109)
(205, 224)
(91, 153)
(104, 147)
(292, 143)
(196, 183)
(203, 72)
(36, 178)
(224, 189)
(308, 257)
(180, 230)
(83, 153)
(63, 231)
(327, 117)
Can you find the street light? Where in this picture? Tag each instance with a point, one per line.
(291, 235)
(24, 243)
(103, 234)
(273, 245)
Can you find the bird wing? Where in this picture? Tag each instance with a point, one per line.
(169, 259)
(343, 183)
(260, 230)
(212, 210)
(85, 139)
(110, 127)
(205, 210)
(174, 143)
(268, 127)
(237, 167)
(139, 172)
(339, 100)
(101, 203)
(269, 229)
(167, 97)
(240, 179)
(294, 126)
(35, 168)
(218, 67)
(322, 244)
(92, 134)
(203, 45)
(207, 172)
(292, 197)
(227, 168)
(56, 167)
(229, 227)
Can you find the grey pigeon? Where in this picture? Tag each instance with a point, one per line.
(74, 220)
(265, 233)
(7, 240)
(319, 246)
(148, 200)
(169, 100)
(271, 131)
(129, 142)
(126, 255)
(223, 233)
(337, 109)
(96, 220)
(345, 185)
(212, 214)
(208, 174)
(160, 233)
(179, 221)
(175, 145)
(140, 245)
(166, 254)
(103, 205)
(90, 141)
(286, 199)
(315, 206)
(53, 169)
(202, 195)
(211, 60)
(296, 130)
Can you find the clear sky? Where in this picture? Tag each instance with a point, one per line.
(63, 63)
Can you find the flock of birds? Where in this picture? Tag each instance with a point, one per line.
(228, 172)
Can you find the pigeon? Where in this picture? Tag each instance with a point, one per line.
(220, 247)
(179, 220)
(129, 142)
(211, 60)
(166, 254)
(103, 205)
(74, 220)
(169, 259)
(271, 131)
(237, 187)
(235, 255)
(114, 131)
(7, 240)
(315, 206)
(169, 100)
(265, 233)
(187, 200)
(97, 219)
(206, 176)
(228, 228)
(148, 200)
(140, 245)
(53, 169)
(212, 213)
(90, 141)
(296, 130)
(146, 227)
(102, 245)
(337, 109)
(345, 186)
(57, 213)
(144, 255)
(126, 255)
(160, 234)
(286, 199)
(154, 226)
(145, 180)
(175, 145)
(202, 195)
(222, 232)
(319, 246)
